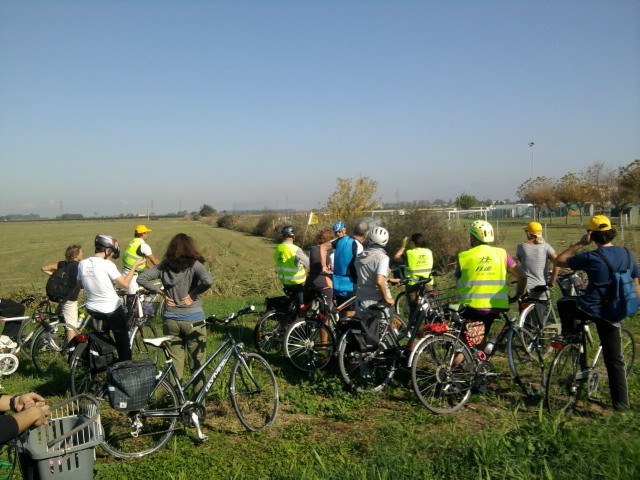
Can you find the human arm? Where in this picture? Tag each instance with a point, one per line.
(49, 268)
(398, 257)
(554, 271)
(204, 283)
(561, 259)
(302, 259)
(147, 280)
(31, 411)
(381, 283)
(521, 278)
(324, 248)
(124, 280)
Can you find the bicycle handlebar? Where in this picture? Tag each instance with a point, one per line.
(233, 316)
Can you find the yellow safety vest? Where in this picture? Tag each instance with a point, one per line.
(419, 263)
(288, 272)
(131, 255)
(483, 277)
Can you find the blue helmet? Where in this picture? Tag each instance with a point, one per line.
(338, 226)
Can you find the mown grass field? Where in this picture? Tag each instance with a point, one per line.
(323, 431)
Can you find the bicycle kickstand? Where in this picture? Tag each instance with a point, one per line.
(196, 424)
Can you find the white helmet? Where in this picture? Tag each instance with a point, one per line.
(379, 236)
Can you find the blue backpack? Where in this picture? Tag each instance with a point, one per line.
(621, 298)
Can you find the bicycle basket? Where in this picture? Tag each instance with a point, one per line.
(440, 299)
(571, 284)
(64, 447)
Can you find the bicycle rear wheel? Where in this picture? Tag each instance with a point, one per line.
(563, 387)
(308, 345)
(525, 361)
(49, 350)
(135, 434)
(83, 378)
(366, 371)
(442, 371)
(269, 332)
(253, 391)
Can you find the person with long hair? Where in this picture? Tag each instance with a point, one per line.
(317, 281)
(184, 278)
(534, 256)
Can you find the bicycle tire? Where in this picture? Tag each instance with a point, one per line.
(439, 386)
(26, 333)
(401, 306)
(253, 391)
(49, 348)
(563, 389)
(366, 371)
(526, 361)
(153, 432)
(269, 332)
(598, 383)
(308, 345)
(139, 349)
(83, 379)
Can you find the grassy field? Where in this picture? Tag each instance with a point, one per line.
(323, 431)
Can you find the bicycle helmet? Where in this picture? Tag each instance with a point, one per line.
(288, 231)
(102, 242)
(482, 230)
(338, 226)
(379, 236)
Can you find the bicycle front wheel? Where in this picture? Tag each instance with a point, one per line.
(442, 371)
(308, 345)
(49, 348)
(139, 349)
(402, 305)
(269, 332)
(563, 386)
(525, 361)
(365, 371)
(253, 391)
(135, 434)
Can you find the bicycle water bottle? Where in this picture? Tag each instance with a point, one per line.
(488, 349)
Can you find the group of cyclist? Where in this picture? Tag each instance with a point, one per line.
(358, 265)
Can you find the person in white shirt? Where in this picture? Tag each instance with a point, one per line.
(97, 275)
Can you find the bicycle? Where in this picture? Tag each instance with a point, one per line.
(253, 392)
(573, 374)
(371, 371)
(271, 326)
(309, 344)
(446, 366)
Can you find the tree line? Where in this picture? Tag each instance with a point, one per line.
(596, 184)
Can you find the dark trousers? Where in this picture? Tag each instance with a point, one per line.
(116, 323)
(611, 341)
(8, 309)
(295, 291)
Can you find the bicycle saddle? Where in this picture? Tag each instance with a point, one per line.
(156, 342)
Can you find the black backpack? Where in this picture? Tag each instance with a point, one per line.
(60, 283)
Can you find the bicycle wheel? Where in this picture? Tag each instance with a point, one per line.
(83, 378)
(135, 434)
(27, 332)
(598, 384)
(365, 371)
(563, 388)
(526, 361)
(269, 332)
(442, 371)
(139, 349)
(49, 350)
(253, 391)
(308, 345)
(402, 305)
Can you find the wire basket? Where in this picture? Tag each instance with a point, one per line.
(440, 299)
(64, 447)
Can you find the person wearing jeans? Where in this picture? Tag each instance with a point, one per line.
(588, 306)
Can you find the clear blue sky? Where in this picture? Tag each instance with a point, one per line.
(107, 106)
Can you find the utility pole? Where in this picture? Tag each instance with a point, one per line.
(531, 144)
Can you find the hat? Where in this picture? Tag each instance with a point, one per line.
(599, 223)
(338, 226)
(533, 228)
(142, 229)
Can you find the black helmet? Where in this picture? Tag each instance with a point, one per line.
(102, 242)
(288, 231)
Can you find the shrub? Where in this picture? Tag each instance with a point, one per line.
(266, 225)
(226, 221)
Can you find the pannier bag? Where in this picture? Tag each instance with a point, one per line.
(130, 384)
(96, 351)
(365, 334)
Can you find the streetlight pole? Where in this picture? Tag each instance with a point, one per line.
(531, 144)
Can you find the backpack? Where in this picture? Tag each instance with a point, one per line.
(59, 283)
(97, 351)
(621, 299)
(130, 384)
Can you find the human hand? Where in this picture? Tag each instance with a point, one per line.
(405, 242)
(327, 271)
(186, 301)
(28, 400)
(139, 262)
(586, 238)
(393, 281)
(41, 414)
(390, 301)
